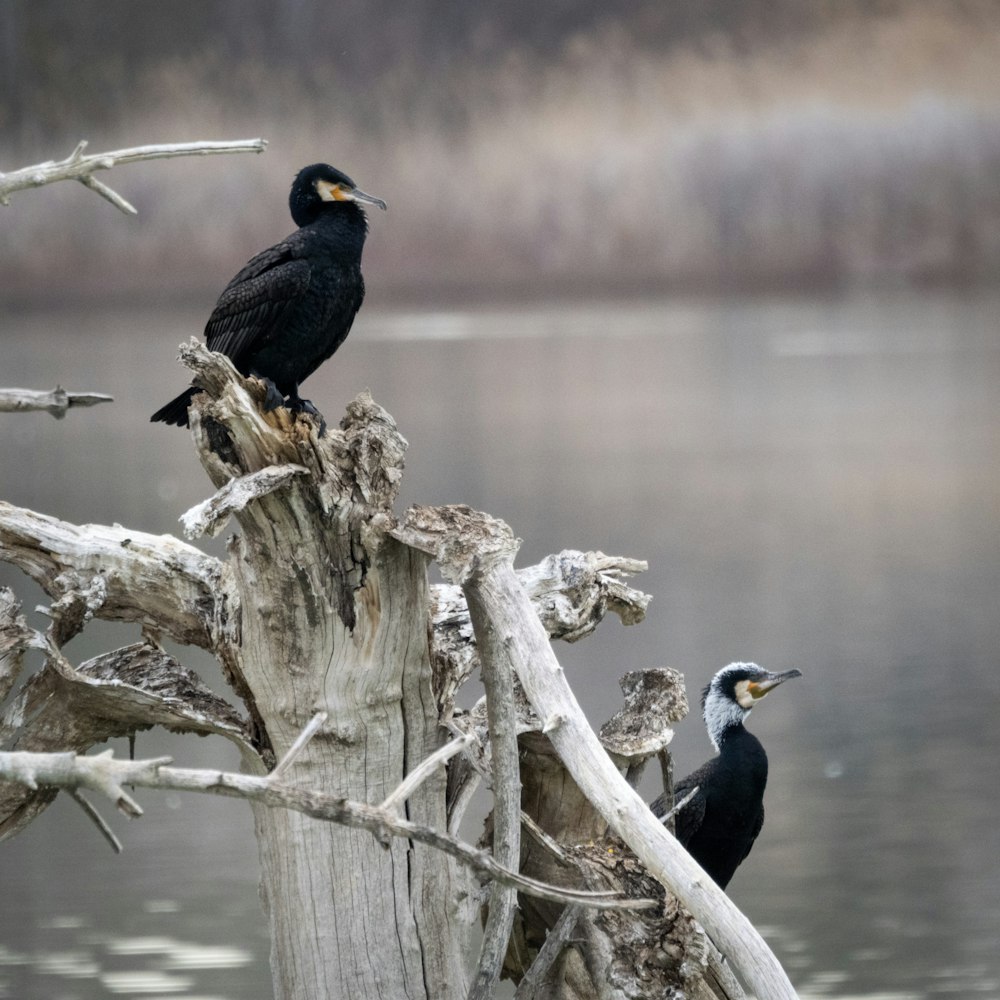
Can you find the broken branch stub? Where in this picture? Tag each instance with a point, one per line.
(155, 580)
(571, 592)
(53, 401)
(654, 699)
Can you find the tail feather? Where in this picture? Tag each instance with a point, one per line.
(176, 411)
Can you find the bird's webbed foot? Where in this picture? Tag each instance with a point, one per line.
(299, 405)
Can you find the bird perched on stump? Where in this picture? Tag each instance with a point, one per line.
(292, 306)
(720, 823)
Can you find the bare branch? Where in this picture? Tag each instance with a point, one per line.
(98, 820)
(55, 401)
(155, 580)
(726, 984)
(678, 806)
(104, 774)
(557, 939)
(81, 168)
(210, 516)
(311, 729)
(108, 194)
(100, 773)
(67, 708)
(498, 679)
(425, 769)
(571, 591)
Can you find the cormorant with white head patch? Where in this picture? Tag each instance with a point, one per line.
(720, 823)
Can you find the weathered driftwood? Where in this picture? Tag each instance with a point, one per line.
(108, 776)
(55, 401)
(81, 167)
(477, 551)
(344, 663)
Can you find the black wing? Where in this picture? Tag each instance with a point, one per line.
(758, 826)
(253, 306)
(689, 818)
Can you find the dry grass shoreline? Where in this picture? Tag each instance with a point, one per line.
(866, 157)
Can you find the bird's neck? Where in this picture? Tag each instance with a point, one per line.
(723, 718)
(343, 223)
(733, 736)
(740, 748)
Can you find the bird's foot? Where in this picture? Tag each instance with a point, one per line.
(299, 405)
(274, 397)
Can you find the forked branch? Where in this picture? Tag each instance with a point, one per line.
(81, 167)
(108, 776)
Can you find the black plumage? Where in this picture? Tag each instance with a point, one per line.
(292, 305)
(720, 823)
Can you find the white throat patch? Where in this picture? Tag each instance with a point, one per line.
(721, 713)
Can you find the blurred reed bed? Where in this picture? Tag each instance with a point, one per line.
(869, 155)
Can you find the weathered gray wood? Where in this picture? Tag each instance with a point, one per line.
(113, 695)
(347, 663)
(210, 516)
(109, 776)
(54, 401)
(15, 639)
(571, 592)
(498, 679)
(477, 552)
(81, 167)
(155, 580)
(316, 585)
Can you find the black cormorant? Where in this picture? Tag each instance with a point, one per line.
(292, 306)
(721, 822)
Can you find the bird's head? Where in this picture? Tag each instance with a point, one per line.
(321, 186)
(733, 692)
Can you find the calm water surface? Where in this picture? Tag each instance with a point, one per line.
(814, 483)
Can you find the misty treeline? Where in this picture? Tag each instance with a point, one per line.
(558, 147)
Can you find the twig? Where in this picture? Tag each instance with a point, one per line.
(310, 730)
(667, 776)
(98, 820)
(55, 401)
(555, 941)
(727, 983)
(677, 807)
(425, 769)
(81, 168)
(103, 773)
(542, 837)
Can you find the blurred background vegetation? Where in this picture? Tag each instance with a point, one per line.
(766, 144)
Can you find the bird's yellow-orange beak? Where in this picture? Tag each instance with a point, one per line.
(757, 689)
(342, 192)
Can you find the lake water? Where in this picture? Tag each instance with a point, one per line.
(815, 483)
